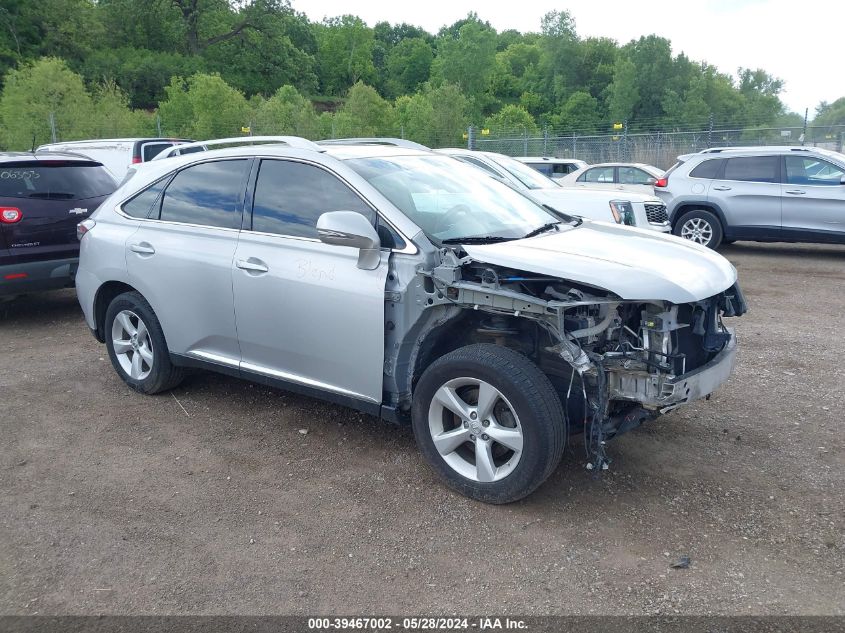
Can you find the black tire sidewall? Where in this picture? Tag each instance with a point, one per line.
(161, 372)
(711, 219)
(542, 444)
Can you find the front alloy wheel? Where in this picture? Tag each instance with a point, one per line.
(475, 429)
(489, 421)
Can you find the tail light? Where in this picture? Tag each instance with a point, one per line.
(10, 215)
(136, 160)
(662, 182)
(83, 227)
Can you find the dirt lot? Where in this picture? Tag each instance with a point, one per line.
(212, 500)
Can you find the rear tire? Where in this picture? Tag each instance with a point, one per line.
(489, 422)
(137, 348)
(700, 226)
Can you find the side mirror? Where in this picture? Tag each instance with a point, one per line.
(347, 228)
(651, 181)
(842, 181)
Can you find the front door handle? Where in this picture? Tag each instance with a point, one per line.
(252, 265)
(142, 249)
(796, 192)
(721, 188)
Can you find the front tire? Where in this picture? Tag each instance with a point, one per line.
(489, 422)
(700, 226)
(137, 347)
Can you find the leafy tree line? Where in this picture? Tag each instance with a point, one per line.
(204, 68)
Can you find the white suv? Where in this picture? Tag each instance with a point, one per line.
(632, 209)
(397, 282)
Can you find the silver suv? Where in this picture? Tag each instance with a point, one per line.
(397, 282)
(765, 194)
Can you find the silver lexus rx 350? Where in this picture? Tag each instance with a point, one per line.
(409, 286)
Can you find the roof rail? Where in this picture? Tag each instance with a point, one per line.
(393, 142)
(757, 148)
(291, 141)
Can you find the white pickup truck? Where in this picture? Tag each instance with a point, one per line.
(620, 207)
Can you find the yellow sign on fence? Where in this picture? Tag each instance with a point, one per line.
(617, 126)
(246, 130)
(485, 132)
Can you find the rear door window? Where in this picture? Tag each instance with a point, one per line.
(633, 176)
(207, 194)
(599, 174)
(753, 169)
(55, 180)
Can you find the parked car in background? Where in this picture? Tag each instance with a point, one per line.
(632, 209)
(42, 199)
(637, 177)
(400, 283)
(764, 194)
(555, 168)
(116, 154)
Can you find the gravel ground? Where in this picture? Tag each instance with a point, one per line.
(229, 497)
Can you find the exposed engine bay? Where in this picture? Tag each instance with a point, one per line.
(615, 363)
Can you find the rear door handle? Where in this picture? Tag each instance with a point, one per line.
(143, 248)
(722, 188)
(252, 265)
(796, 192)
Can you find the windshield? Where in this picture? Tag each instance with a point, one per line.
(448, 199)
(528, 176)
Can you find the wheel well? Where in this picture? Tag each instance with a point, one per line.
(106, 293)
(476, 327)
(694, 206)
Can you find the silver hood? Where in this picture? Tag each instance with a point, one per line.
(634, 264)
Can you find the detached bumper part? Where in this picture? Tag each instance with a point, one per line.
(665, 392)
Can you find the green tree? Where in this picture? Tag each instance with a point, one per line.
(345, 53)
(559, 44)
(286, 112)
(468, 59)
(435, 116)
(511, 118)
(114, 118)
(623, 94)
(365, 113)
(829, 114)
(203, 107)
(580, 112)
(38, 91)
(408, 66)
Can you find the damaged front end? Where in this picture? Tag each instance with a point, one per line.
(614, 362)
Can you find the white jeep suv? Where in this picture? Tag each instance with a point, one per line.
(397, 282)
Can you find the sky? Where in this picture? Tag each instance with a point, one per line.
(804, 48)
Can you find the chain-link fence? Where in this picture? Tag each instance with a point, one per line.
(658, 148)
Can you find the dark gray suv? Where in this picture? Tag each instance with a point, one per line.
(765, 194)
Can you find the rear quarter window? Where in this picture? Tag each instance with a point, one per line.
(55, 180)
(707, 169)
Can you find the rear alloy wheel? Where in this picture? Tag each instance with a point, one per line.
(489, 422)
(136, 345)
(701, 227)
(132, 345)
